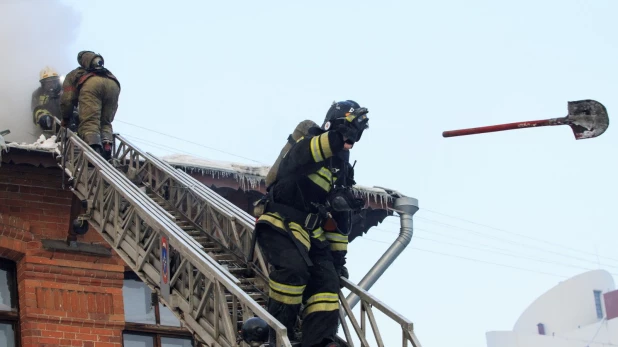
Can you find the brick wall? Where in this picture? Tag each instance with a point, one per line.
(65, 299)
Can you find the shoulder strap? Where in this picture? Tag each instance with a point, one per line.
(87, 75)
(83, 78)
(298, 173)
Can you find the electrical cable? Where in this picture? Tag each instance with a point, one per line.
(476, 232)
(185, 140)
(517, 234)
(471, 259)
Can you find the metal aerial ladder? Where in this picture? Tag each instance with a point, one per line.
(191, 246)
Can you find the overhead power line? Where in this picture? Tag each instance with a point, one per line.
(513, 242)
(492, 249)
(470, 259)
(518, 234)
(185, 140)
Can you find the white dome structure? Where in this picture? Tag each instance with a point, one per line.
(568, 315)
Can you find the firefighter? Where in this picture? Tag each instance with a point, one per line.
(95, 91)
(45, 104)
(303, 230)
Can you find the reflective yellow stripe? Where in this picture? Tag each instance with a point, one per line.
(290, 300)
(40, 112)
(297, 230)
(325, 144)
(336, 237)
(300, 138)
(321, 302)
(273, 219)
(322, 297)
(349, 117)
(320, 181)
(326, 174)
(323, 178)
(337, 241)
(286, 288)
(317, 233)
(343, 247)
(300, 234)
(321, 307)
(315, 150)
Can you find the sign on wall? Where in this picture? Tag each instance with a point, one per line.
(165, 269)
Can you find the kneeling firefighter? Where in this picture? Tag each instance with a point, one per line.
(305, 219)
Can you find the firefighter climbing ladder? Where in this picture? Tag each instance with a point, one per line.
(190, 245)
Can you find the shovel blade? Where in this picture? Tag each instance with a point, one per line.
(587, 118)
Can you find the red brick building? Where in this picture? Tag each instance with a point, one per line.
(53, 296)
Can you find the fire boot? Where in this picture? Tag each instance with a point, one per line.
(98, 149)
(107, 150)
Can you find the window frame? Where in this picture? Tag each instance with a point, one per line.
(598, 303)
(12, 317)
(157, 331)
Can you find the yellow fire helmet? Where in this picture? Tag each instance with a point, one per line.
(48, 72)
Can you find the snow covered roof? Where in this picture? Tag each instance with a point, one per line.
(204, 166)
(251, 176)
(42, 144)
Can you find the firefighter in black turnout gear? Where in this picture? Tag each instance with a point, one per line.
(307, 217)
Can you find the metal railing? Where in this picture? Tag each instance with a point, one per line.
(206, 209)
(368, 302)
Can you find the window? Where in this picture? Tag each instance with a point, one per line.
(597, 303)
(150, 340)
(149, 323)
(9, 317)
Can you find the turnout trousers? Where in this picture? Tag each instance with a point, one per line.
(292, 283)
(98, 102)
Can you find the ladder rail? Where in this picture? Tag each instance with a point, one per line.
(151, 208)
(368, 302)
(199, 289)
(230, 208)
(216, 215)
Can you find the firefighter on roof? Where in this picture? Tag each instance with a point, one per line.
(45, 104)
(303, 229)
(95, 91)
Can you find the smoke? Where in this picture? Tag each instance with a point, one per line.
(33, 34)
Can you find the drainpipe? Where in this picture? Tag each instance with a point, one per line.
(406, 207)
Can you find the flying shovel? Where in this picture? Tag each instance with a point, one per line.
(587, 118)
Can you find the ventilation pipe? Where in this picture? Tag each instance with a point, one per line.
(406, 207)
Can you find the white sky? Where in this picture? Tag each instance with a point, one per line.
(238, 76)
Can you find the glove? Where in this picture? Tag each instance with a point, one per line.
(352, 129)
(350, 179)
(342, 199)
(342, 272)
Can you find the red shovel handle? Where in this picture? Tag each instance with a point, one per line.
(502, 127)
